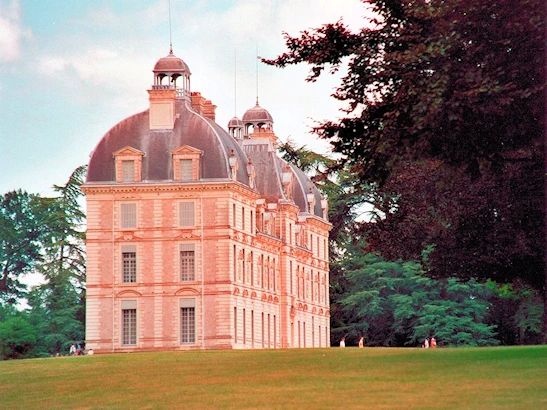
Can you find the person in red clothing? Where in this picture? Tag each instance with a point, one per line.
(433, 343)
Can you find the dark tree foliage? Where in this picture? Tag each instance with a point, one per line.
(395, 304)
(45, 235)
(58, 305)
(444, 119)
(21, 232)
(17, 338)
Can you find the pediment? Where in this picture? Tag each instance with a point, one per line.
(187, 150)
(128, 151)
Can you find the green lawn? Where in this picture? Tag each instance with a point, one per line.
(369, 378)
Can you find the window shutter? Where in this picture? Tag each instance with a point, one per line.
(128, 215)
(187, 214)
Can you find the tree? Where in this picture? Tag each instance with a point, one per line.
(17, 338)
(395, 304)
(21, 232)
(58, 305)
(455, 87)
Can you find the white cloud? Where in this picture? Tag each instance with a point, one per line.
(12, 31)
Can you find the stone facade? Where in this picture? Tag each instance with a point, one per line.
(214, 253)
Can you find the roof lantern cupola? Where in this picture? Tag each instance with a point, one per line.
(235, 128)
(172, 73)
(258, 118)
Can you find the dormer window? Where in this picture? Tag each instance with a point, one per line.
(128, 164)
(186, 163)
(186, 169)
(128, 171)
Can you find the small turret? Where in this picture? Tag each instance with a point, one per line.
(235, 128)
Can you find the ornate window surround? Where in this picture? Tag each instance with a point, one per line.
(128, 153)
(186, 152)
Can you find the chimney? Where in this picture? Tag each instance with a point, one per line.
(162, 108)
(209, 110)
(198, 102)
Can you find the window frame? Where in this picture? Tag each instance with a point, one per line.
(132, 264)
(187, 305)
(190, 249)
(129, 324)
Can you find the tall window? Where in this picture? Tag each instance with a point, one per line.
(290, 234)
(318, 247)
(187, 263)
(128, 215)
(186, 170)
(128, 171)
(319, 338)
(290, 277)
(234, 215)
(252, 269)
(129, 322)
(235, 324)
(244, 328)
(187, 321)
(242, 218)
(274, 275)
(243, 264)
(269, 330)
(186, 214)
(129, 263)
(261, 266)
(263, 330)
(235, 263)
(311, 280)
(274, 332)
(253, 328)
(318, 281)
(252, 222)
(268, 273)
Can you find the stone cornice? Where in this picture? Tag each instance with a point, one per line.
(93, 188)
(317, 221)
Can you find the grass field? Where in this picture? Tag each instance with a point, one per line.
(369, 378)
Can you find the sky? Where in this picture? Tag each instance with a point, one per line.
(71, 70)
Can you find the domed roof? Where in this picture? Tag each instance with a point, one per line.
(235, 123)
(257, 115)
(171, 63)
(190, 129)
